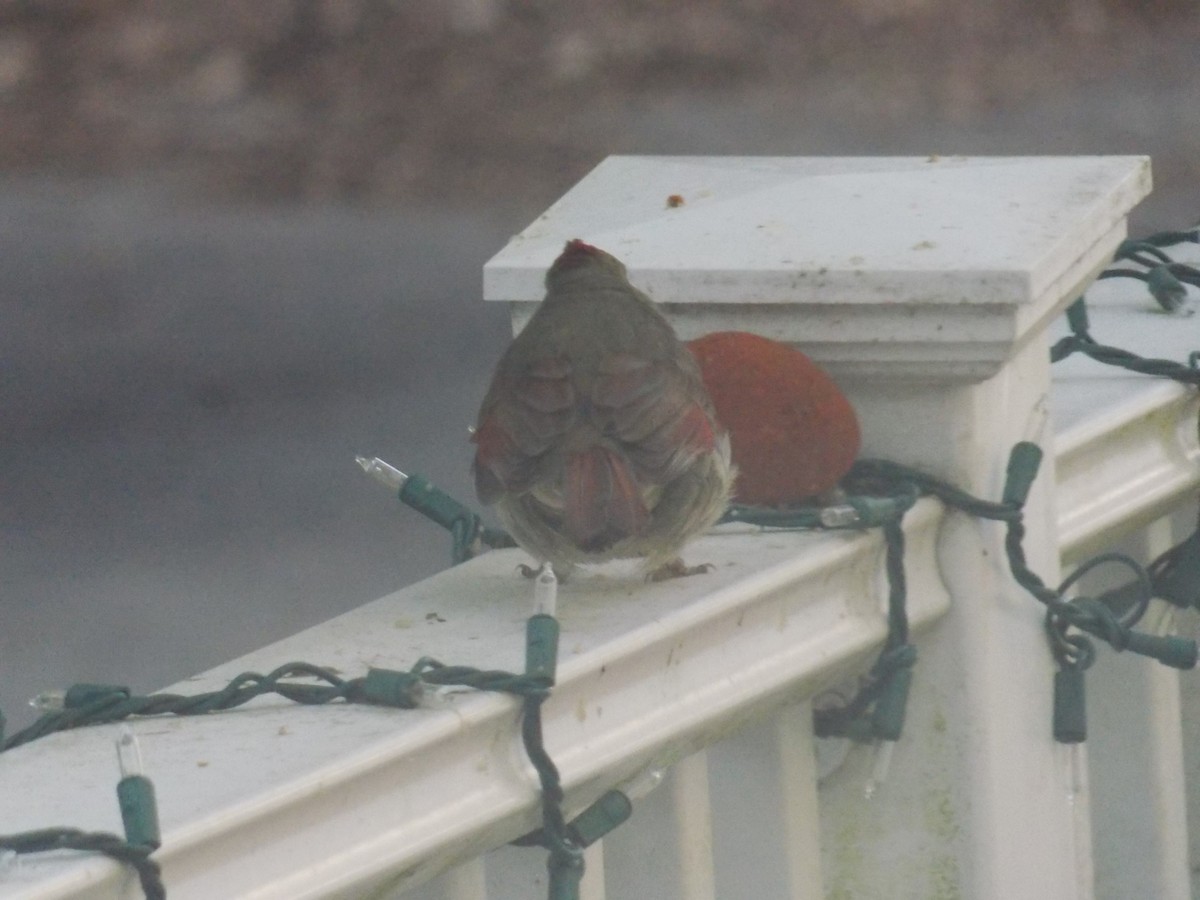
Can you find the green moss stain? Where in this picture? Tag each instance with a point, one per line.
(941, 822)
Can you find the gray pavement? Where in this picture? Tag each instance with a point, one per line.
(182, 392)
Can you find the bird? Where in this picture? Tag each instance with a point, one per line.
(596, 439)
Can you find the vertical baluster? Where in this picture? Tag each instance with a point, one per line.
(1135, 758)
(798, 794)
(767, 841)
(592, 886)
(1189, 625)
(692, 803)
(465, 882)
(665, 850)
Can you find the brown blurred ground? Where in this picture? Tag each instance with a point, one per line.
(478, 101)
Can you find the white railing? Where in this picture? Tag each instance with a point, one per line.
(280, 801)
(706, 683)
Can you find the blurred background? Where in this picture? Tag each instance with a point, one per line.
(241, 241)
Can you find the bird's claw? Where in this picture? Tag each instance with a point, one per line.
(676, 569)
(535, 571)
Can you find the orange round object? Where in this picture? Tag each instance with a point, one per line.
(793, 432)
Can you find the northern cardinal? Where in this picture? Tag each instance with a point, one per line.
(597, 439)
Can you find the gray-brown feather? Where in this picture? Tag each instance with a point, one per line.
(622, 382)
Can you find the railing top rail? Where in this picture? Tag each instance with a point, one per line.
(333, 796)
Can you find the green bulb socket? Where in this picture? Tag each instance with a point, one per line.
(388, 687)
(1070, 708)
(139, 811)
(878, 510)
(1176, 652)
(1180, 583)
(541, 646)
(887, 720)
(85, 694)
(1023, 465)
(611, 810)
(1168, 290)
(431, 501)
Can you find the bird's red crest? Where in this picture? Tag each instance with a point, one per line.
(575, 253)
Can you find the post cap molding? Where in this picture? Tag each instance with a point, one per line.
(913, 267)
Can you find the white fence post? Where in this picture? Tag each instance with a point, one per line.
(925, 285)
(979, 796)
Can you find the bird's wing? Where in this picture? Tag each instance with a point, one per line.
(522, 417)
(657, 410)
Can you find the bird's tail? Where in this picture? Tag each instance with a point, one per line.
(602, 503)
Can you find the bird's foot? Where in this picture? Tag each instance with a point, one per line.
(535, 571)
(676, 569)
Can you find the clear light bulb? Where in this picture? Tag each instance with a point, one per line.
(1076, 771)
(545, 591)
(881, 764)
(838, 516)
(382, 472)
(641, 785)
(49, 701)
(129, 753)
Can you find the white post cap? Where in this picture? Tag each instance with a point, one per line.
(933, 268)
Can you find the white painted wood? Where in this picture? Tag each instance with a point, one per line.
(766, 836)
(874, 266)
(800, 827)
(1136, 755)
(1126, 445)
(1189, 625)
(463, 882)
(592, 887)
(513, 872)
(337, 801)
(665, 850)
(1128, 456)
(691, 802)
(977, 755)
